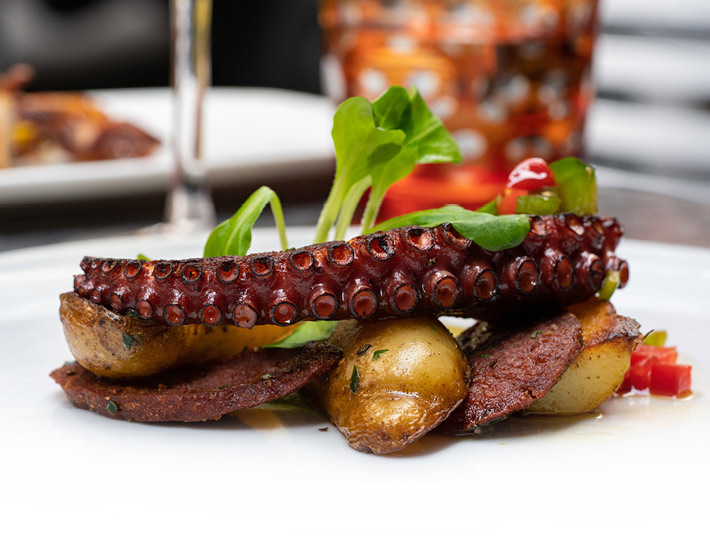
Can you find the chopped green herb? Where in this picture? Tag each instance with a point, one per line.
(131, 313)
(534, 334)
(656, 338)
(485, 355)
(537, 205)
(112, 407)
(577, 184)
(354, 380)
(131, 341)
(611, 282)
(377, 353)
(364, 349)
(141, 256)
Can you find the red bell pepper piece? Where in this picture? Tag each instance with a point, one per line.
(664, 354)
(670, 379)
(509, 200)
(654, 368)
(639, 374)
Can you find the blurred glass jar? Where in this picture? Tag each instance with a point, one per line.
(509, 78)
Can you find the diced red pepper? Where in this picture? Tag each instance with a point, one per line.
(509, 200)
(639, 374)
(654, 368)
(665, 354)
(531, 174)
(670, 379)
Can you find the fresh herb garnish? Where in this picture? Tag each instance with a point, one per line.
(354, 380)
(141, 256)
(537, 204)
(493, 233)
(308, 331)
(233, 236)
(112, 407)
(377, 353)
(484, 355)
(656, 338)
(577, 184)
(130, 341)
(377, 144)
(491, 207)
(534, 334)
(611, 282)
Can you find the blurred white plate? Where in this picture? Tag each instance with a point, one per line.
(68, 473)
(248, 132)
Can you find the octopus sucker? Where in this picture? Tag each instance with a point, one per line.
(404, 271)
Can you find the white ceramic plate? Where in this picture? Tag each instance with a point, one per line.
(638, 469)
(248, 132)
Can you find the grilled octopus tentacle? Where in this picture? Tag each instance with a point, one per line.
(412, 270)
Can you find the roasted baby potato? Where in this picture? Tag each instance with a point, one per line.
(598, 371)
(399, 379)
(118, 346)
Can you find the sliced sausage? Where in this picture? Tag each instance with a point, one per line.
(207, 392)
(513, 366)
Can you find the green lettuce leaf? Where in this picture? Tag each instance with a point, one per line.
(493, 233)
(307, 331)
(377, 144)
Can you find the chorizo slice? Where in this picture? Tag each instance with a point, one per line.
(513, 366)
(205, 392)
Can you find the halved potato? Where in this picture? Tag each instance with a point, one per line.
(598, 371)
(118, 346)
(399, 378)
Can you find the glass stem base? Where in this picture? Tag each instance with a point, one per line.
(189, 207)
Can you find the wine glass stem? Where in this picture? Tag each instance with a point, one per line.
(189, 205)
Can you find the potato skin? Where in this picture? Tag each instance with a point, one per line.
(600, 368)
(403, 392)
(95, 336)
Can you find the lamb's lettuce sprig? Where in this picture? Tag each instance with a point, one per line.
(233, 236)
(493, 233)
(377, 144)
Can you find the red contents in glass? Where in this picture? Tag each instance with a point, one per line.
(436, 185)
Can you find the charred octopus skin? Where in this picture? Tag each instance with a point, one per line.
(404, 271)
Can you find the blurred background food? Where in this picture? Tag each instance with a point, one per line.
(53, 127)
(648, 132)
